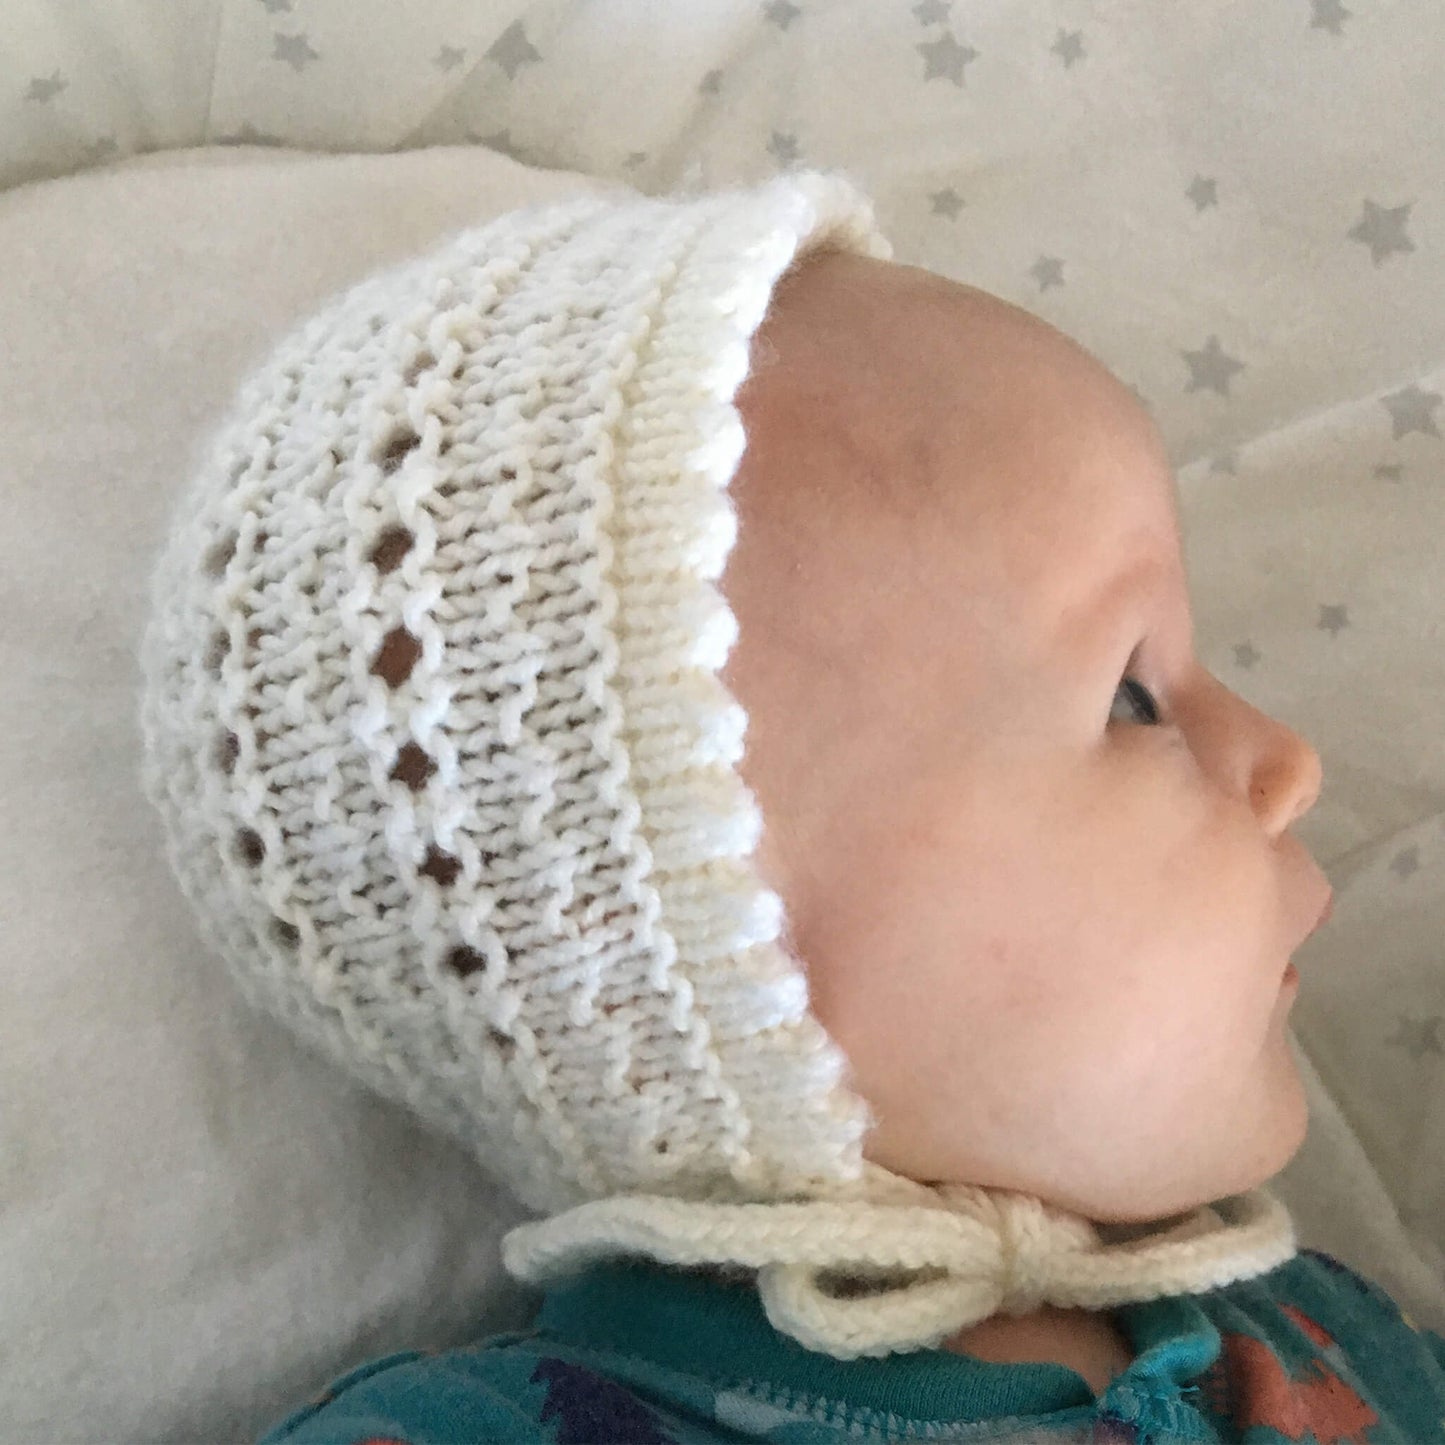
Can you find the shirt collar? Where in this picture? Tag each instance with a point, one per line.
(698, 1322)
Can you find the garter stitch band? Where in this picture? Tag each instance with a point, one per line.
(433, 721)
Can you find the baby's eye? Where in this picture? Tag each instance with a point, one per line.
(1141, 697)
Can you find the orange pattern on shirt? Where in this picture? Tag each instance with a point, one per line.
(1248, 1385)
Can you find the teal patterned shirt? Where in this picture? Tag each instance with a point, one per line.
(1310, 1354)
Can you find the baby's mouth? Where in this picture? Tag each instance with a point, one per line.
(1291, 973)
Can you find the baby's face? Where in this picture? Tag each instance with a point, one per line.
(1035, 858)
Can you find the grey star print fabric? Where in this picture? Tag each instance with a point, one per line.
(1247, 226)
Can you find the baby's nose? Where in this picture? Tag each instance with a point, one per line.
(1288, 775)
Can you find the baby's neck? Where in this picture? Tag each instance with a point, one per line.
(1089, 1342)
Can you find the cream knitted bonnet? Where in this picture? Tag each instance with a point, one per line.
(433, 720)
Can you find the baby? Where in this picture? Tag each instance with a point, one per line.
(924, 1086)
(1036, 857)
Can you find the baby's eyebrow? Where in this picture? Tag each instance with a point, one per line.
(1126, 593)
(1152, 588)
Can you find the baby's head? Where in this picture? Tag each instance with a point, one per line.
(711, 731)
(1036, 859)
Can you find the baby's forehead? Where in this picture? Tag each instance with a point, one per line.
(991, 359)
(945, 388)
(898, 418)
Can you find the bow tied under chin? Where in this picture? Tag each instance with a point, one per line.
(905, 1266)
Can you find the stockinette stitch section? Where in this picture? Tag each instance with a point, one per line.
(432, 713)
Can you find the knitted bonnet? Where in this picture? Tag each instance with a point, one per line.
(433, 721)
